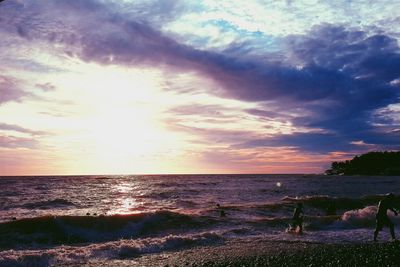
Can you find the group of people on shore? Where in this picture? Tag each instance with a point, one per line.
(382, 218)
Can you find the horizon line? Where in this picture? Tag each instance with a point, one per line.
(158, 174)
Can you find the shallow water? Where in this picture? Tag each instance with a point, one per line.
(133, 215)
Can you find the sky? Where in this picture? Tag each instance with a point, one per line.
(168, 86)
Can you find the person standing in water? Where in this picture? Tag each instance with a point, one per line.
(382, 218)
(297, 219)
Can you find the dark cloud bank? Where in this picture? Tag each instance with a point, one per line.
(339, 76)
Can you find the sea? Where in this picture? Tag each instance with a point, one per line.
(56, 220)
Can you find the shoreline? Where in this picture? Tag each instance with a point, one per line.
(269, 253)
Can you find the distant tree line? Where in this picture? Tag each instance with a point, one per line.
(372, 163)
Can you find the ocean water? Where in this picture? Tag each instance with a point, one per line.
(71, 219)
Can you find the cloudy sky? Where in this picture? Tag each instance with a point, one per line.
(141, 86)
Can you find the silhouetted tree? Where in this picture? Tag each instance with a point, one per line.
(372, 163)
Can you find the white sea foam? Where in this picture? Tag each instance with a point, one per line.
(121, 249)
(364, 217)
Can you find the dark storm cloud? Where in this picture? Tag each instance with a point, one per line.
(339, 76)
(343, 78)
(369, 64)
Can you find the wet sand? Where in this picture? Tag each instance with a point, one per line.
(269, 253)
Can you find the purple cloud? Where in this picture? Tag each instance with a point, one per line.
(16, 128)
(10, 90)
(339, 76)
(17, 142)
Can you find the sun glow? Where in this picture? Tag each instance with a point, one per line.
(115, 124)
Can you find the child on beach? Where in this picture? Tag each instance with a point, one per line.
(297, 219)
(382, 218)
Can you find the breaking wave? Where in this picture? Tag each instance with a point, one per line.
(55, 230)
(364, 217)
(121, 249)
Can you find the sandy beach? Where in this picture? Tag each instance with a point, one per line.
(268, 253)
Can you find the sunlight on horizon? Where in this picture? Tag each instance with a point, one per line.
(119, 123)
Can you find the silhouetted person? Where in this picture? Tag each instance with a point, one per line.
(221, 211)
(297, 219)
(382, 218)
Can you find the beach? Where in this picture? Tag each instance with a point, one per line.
(268, 253)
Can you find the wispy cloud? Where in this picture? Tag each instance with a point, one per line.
(10, 90)
(17, 142)
(17, 128)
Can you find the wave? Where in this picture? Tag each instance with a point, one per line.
(54, 230)
(121, 249)
(310, 222)
(364, 217)
(320, 204)
(343, 203)
(352, 219)
(360, 218)
(49, 204)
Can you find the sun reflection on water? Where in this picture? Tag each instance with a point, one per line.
(124, 202)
